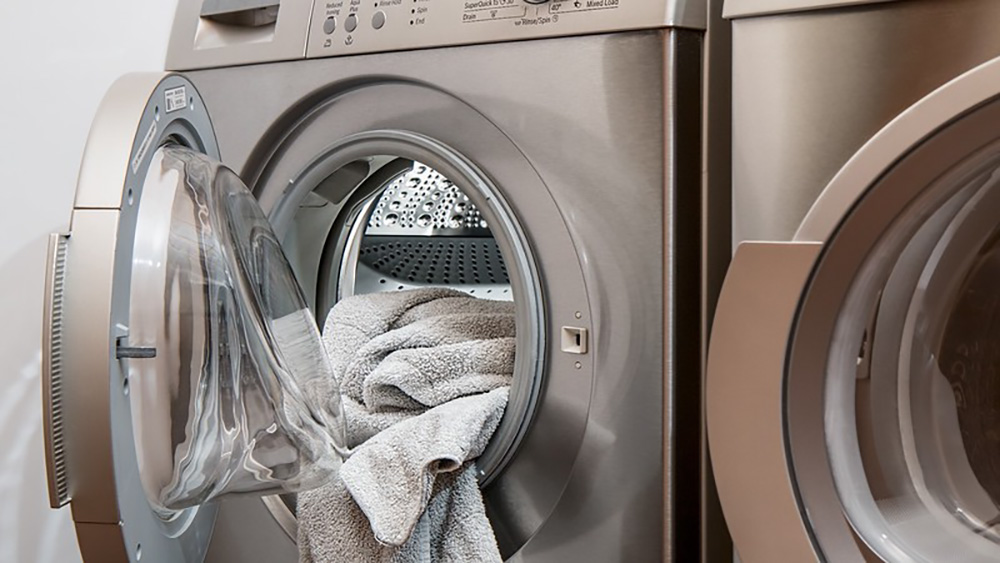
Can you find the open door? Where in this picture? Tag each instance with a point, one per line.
(180, 361)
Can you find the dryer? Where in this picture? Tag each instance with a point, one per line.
(852, 378)
(548, 153)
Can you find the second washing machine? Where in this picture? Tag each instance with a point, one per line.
(853, 376)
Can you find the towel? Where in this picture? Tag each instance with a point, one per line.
(455, 498)
(424, 376)
(398, 354)
(410, 494)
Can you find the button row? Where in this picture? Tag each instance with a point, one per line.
(351, 23)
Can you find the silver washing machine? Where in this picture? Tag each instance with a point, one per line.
(853, 376)
(544, 152)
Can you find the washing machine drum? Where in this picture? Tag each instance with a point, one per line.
(422, 230)
(231, 389)
(233, 365)
(228, 386)
(228, 383)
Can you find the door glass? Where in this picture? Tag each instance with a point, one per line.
(920, 481)
(240, 396)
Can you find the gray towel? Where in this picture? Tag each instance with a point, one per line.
(424, 377)
(398, 354)
(408, 495)
(456, 499)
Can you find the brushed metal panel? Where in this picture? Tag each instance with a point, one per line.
(747, 8)
(114, 132)
(197, 42)
(436, 23)
(213, 7)
(595, 131)
(898, 138)
(90, 269)
(810, 89)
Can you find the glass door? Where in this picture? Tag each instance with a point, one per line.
(180, 361)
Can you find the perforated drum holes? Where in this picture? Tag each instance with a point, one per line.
(424, 231)
(424, 202)
(436, 261)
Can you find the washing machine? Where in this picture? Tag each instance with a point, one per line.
(852, 378)
(547, 153)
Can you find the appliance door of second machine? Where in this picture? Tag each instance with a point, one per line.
(854, 372)
(181, 362)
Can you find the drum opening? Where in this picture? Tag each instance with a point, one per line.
(913, 377)
(394, 211)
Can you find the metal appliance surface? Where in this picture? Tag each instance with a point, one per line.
(864, 140)
(582, 157)
(529, 501)
(293, 29)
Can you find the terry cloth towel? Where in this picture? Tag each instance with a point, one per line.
(409, 495)
(424, 377)
(399, 354)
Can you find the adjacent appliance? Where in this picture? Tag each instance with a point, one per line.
(853, 368)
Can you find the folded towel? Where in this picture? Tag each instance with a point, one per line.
(398, 354)
(424, 376)
(353, 322)
(362, 332)
(438, 359)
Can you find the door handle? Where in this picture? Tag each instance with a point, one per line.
(243, 13)
(52, 371)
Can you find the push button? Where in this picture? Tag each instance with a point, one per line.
(378, 20)
(351, 23)
(330, 25)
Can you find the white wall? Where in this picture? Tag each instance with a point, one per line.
(56, 61)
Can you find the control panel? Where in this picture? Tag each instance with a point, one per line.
(343, 27)
(212, 33)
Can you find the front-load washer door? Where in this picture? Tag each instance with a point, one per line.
(854, 372)
(181, 362)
